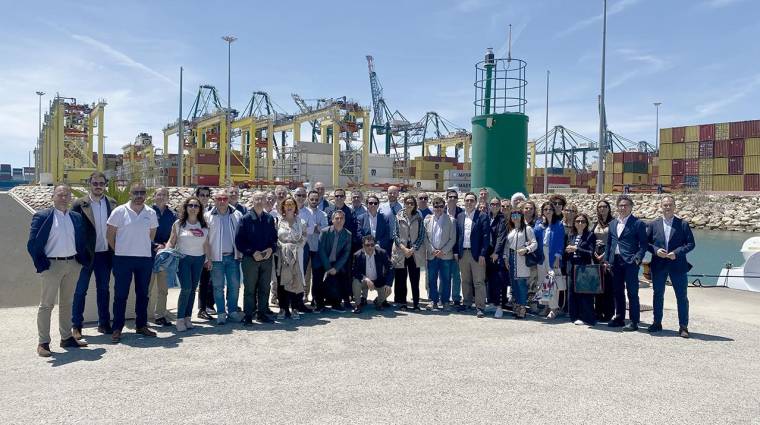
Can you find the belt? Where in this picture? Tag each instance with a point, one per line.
(224, 254)
(61, 258)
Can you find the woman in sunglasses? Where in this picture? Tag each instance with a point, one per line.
(291, 238)
(604, 303)
(579, 252)
(189, 236)
(520, 242)
(408, 253)
(551, 236)
(496, 277)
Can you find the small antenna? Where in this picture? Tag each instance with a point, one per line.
(509, 51)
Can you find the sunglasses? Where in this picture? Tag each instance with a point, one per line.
(356, 197)
(496, 204)
(453, 197)
(340, 196)
(423, 198)
(300, 195)
(372, 203)
(438, 206)
(139, 192)
(193, 206)
(369, 245)
(469, 200)
(409, 203)
(98, 184)
(581, 221)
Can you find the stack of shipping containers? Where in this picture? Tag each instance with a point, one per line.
(6, 172)
(629, 169)
(722, 157)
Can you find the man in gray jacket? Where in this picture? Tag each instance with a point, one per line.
(440, 237)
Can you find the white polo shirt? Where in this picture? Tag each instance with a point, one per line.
(133, 230)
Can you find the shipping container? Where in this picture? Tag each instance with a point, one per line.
(666, 167)
(691, 150)
(728, 183)
(752, 128)
(678, 167)
(634, 156)
(205, 169)
(666, 152)
(706, 149)
(736, 165)
(635, 167)
(737, 130)
(617, 167)
(206, 180)
(720, 149)
(206, 158)
(635, 178)
(5, 168)
(666, 136)
(676, 181)
(691, 167)
(721, 131)
(679, 134)
(752, 182)
(705, 183)
(692, 133)
(720, 165)
(752, 164)
(617, 178)
(752, 146)
(706, 167)
(706, 132)
(679, 150)
(691, 182)
(736, 147)
(618, 156)
(238, 169)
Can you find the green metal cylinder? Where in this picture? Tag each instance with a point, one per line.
(499, 152)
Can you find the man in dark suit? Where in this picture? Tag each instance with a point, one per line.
(58, 247)
(474, 230)
(670, 239)
(95, 207)
(376, 224)
(334, 253)
(626, 247)
(372, 270)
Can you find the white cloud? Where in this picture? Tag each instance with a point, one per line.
(648, 64)
(716, 4)
(740, 89)
(611, 11)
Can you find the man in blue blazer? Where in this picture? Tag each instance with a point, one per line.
(376, 224)
(626, 247)
(372, 269)
(474, 230)
(670, 239)
(57, 245)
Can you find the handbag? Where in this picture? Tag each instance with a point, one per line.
(589, 279)
(532, 259)
(547, 290)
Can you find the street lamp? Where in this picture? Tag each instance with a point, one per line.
(657, 123)
(229, 39)
(602, 112)
(38, 156)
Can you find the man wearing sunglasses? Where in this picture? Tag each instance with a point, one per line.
(314, 271)
(340, 205)
(357, 198)
(441, 236)
(422, 204)
(223, 222)
(379, 227)
(475, 231)
(95, 207)
(131, 229)
(453, 211)
(372, 270)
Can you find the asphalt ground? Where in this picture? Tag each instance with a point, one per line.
(396, 367)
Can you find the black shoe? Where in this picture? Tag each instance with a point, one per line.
(263, 318)
(313, 304)
(616, 323)
(105, 330)
(203, 315)
(403, 306)
(303, 309)
(161, 321)
(683, 332)
(338, 307)
(363, 302)
(631, 327)
(461, 307)
(457, 303)
(654, 327)
(357, 310)
(270, 312)
(247, 321)
(385, 304)
(416, 308)
(347, 305)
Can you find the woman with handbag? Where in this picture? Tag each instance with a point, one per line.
(579, 253)
(550, 234)
(604, 303)
(521, 243)
(408, 252)
(291, 238)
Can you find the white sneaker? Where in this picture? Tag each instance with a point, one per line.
(188, 323)
(295, 314)
(552, 315)
(181, 326)
(579, 322)
(221, 319)
(281, 315)
(499, 313)
(210, 310)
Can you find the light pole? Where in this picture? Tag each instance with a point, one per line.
(546, 141)
(229, 39)
(602, 113)
(38, 155)
(657, 124)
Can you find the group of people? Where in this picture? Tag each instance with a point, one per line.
(304, 254)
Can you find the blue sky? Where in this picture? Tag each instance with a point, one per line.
(699, 57)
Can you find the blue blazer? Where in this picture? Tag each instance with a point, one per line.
(556, 240)
(383, 266)
(42, 222)
(480, 234)
(382, 233)
(633, 241)
(681, 243)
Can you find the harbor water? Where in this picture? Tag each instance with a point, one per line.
(715, 249)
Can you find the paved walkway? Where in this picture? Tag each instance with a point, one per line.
(397, 367)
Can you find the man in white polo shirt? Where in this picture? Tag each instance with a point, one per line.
(131, 229)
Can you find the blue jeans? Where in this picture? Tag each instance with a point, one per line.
(124, 269)
(101, 266)
(520, 290)
(680, 283)
(189, 272)
(227, 270)
(456, 282)
(439, 268)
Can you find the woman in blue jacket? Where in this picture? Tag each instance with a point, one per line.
(550, 234)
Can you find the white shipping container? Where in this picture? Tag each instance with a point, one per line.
(457, 175)
(316, 159)
(462, 185)
(423, 184)
(380, 161)
(380, 172)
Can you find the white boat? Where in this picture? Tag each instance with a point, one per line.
(747, 276)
